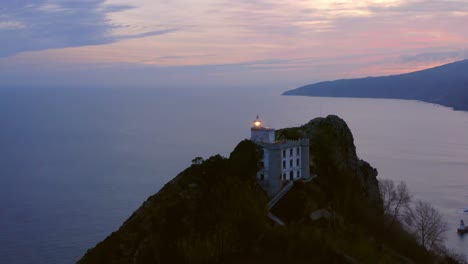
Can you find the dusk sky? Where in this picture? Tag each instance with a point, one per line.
(218, 42)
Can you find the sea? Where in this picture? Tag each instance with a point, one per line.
(76, 162)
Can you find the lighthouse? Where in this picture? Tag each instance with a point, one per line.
(260, 134)
(282, 161)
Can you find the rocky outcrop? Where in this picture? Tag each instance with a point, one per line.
(216, 212)
(334, 159)
(347, 185)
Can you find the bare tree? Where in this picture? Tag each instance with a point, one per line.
(428, 225)
(387, 192)
(396, 201)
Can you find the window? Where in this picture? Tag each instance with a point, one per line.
(262, 177)
(284, 176)
(290, 163)
(290, 152)
(297, 162)
(298, 151)
(298, 174)
(291, 175)
(284, 164)
(284, 153)
(262, 165)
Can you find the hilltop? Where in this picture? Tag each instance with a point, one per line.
(445, 85)
(215, 212)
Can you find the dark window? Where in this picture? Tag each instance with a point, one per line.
(290, 152)
(284, 164)
(262, 165)
(297, 162)
(262, 177)
(291, 175)
(284, 153)
(284, 176)
(290, 163)
(298, 150)
(298, 174)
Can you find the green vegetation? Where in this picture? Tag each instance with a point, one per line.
(215, 212)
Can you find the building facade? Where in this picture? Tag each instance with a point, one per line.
(283, 160)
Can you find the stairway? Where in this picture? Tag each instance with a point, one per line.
(275, 199)
(280, 194)
(275, 219)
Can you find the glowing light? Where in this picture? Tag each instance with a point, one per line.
(257, 124)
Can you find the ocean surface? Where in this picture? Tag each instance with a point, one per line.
(75, 163)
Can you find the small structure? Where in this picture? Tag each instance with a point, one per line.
(283, 161)
(462, 228)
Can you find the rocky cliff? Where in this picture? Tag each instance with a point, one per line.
(333, 154)
(215, 212)
(347, 181)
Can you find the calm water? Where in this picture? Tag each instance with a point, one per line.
(75, 163)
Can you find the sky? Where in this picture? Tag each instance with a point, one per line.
(221, 43)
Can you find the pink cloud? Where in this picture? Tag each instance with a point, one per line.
(331, 39)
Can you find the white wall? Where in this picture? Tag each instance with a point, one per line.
(286, 159)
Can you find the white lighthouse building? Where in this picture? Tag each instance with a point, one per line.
(283, 160)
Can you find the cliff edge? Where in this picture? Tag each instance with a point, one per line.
(215, 212)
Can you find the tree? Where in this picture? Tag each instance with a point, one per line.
(396, 201)
(428, 225)
(197, 160)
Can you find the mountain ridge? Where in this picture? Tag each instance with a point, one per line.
(446, 85)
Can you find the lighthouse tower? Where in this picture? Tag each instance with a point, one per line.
(283, 160)
(260, 134)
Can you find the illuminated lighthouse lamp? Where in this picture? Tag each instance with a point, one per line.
(257, 123)
(261, 134)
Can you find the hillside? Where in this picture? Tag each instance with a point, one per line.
(445, 85)
(215, 212)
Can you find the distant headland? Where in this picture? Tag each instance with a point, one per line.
(446, 85)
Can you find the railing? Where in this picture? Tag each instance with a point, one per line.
(275, 219)
(309, 178)
(275, 199)
(280, 195)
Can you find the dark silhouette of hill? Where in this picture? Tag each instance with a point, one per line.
(445, 85)
(216, 212)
